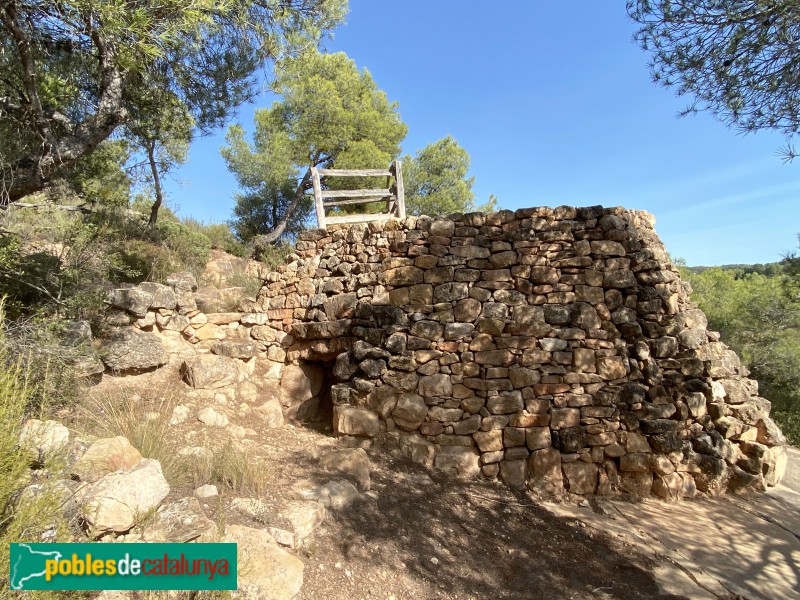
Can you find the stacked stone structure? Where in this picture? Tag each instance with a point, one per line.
(551, 347)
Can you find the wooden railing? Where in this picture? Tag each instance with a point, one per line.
(393, 195)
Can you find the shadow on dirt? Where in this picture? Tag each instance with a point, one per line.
(481, 540)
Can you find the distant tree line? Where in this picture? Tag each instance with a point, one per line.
(756, 308)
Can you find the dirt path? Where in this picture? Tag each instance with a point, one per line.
(746, 546)
(420, 535)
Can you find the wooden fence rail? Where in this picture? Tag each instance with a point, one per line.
(393, 195)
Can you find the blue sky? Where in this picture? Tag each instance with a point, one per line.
(554, 103)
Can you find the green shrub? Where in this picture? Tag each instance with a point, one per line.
(146, 261)
(276, 255)
(219, 235)
(25, 516)
(189, 248)
(758, 316)
(57, 262)
(249, 282)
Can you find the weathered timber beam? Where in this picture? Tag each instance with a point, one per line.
(380, 193)
(354, 172)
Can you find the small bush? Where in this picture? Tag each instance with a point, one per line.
(146, 261)
(248, 281)
(60, 262)
(27, 514)
(219, 235)
(275, 255)
(189, 247)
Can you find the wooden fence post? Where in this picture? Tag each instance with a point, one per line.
(318, 198)
(401, 198)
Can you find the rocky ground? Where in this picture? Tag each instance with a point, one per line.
(355, 524)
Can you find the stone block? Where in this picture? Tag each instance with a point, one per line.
(637, 461)
(401, 276)
(352, 463)
(607, 248)
(636, 442)
(208, 371)
(505, 403)
(450, 292)
(350, 420)
(571, 439)
(467, 426)
(445, 415)
(544, 468)
(581, 477)
(494, 357)
(438, 385)
(411, 408)
(537, 438)
(467, 310)
(457, 460)
(513, 436)
(562, 418)
(529, 420)
(132, 350)
(637, 483)
(513, 472)
(611, 367)
(489, 441)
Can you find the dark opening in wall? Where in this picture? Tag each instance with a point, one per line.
(307, 393)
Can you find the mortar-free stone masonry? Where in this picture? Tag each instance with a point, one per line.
(555, 348)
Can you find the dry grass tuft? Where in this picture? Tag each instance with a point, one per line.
(230, 468)
(144, 419)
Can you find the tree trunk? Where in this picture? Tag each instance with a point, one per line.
(151, 157)
(262, 242)
(20, 177)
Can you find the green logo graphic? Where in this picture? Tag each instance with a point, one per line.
(139, 566)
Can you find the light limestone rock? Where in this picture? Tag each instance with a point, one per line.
(581, 477)
(42, 440)
(458, 461)
(119, 500)
(130, 349)
(105, 456)
(251, 507)
(351, 420)
(299, 388)
(207, 371)
(266, 571)
(271, 413)
(209, 416)
(206, 491)
(180, 521)
(179, 414)
(305, 517)
(545, 474)
(334, 495)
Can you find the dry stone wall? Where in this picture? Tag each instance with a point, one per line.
(551, 347)
(233, 358)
